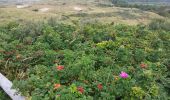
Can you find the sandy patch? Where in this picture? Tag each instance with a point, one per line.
(43, 9)
(23, 6)
(77, 8)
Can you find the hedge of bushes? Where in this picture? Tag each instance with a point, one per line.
(56, 61)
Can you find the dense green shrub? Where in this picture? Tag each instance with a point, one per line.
(91, 62)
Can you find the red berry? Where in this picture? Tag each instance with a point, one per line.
(59, 68)
(99, 86)
(80, 89)
(142, 65)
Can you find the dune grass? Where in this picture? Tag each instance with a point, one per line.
(64, 11)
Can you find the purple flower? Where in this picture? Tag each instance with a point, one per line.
(124, 75)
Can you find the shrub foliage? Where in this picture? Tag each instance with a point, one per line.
(89, 62)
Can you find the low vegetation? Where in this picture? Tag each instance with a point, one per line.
(88, 54)
(3, 95)
(163, 10)
(67, 12)
(160, 24)
(90, 61)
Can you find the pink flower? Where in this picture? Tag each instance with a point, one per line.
(124, 75)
